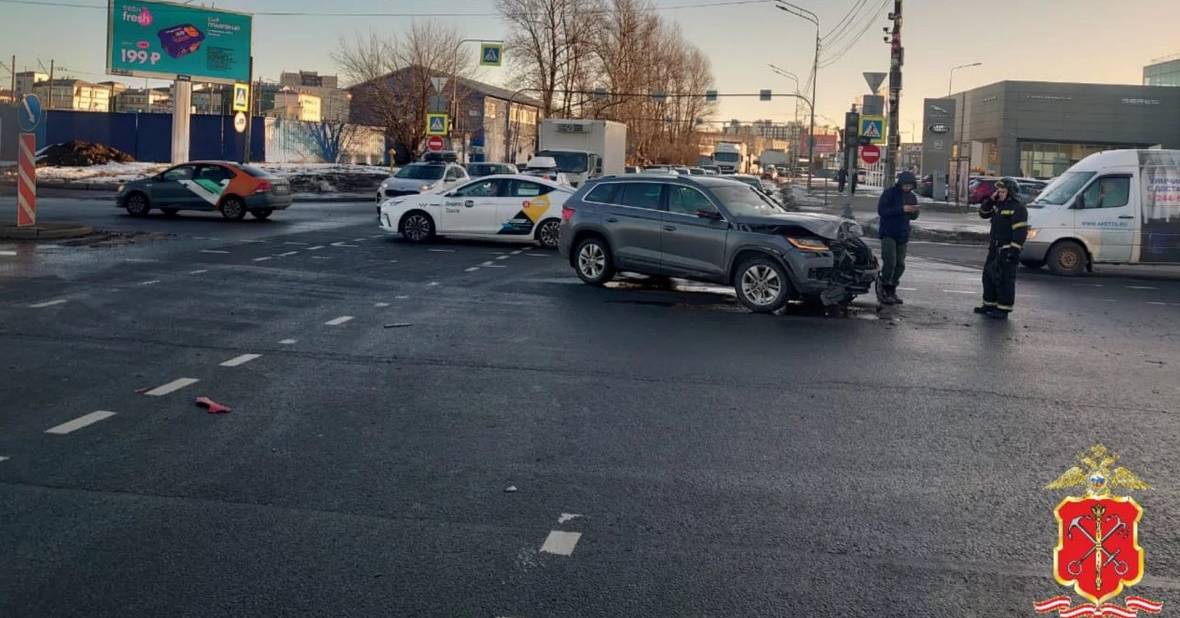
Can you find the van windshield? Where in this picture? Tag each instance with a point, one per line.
(1062, 189)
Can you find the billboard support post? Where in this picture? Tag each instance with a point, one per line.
(182, 101)
(249, 134)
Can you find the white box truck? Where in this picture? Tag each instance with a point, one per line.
(730, 157)
(1113, 207)
(584, 149)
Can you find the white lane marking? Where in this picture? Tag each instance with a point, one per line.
(315, 248)
(380, 304)
(80, 422)
(497, 252)
(1153, 302)
(12, 253)
(1140, 287)
(3, 459)
(48, 303)
(959, 291)
(471, 270)
(496, 266)
(537, 254)
(1088, 285)
(286, 253)
(442, 250)
(295, 242)
(338, 321)
(503, 257)
(239, 360)
(214, 251)
(908, 289)
(376, 236)
(263, 258)
(432, 283)
(171, 387)
(401, 297)
(320, 257)
(343, 244)
(393, 261)
(288, 342)
(151, 282)
(560, 542)
(251, 240)
(487, 263)
(198, 272)
(518, 252)
(140, 260)
(567, 516)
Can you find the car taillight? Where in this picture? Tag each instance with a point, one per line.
(567, 213)
(264, 186)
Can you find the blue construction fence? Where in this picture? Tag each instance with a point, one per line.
(146, 137)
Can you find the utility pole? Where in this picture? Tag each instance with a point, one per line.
(49, 104)
(12, 87)
(896, 59)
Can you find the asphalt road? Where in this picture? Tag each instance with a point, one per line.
(671, 454)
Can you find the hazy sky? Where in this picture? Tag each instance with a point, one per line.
(1052, 40)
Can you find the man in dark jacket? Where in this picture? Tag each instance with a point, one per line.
(841, 178)
(896, 207)
(1009, 229)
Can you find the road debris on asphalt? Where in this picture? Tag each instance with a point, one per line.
(212, 406)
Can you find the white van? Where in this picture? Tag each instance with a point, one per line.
(1113, 207)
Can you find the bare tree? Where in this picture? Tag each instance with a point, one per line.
(553, 41)
(330, 138)
(391, 78)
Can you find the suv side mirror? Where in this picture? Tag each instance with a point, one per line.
(709, 213)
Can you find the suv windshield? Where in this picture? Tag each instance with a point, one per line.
(1061, 190)
(570, 162)
(745, 201)
(421, 172)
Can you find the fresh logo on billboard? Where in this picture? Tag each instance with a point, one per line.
(138, 15)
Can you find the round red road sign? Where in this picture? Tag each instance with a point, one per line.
(435, 143)
(870, 154)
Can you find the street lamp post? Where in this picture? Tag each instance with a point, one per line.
(962, 112)
(798, 11)
(791, 76)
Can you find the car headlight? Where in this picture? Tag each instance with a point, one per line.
(813, 245)
(120, 189)
(1032, 233)
(425, 187)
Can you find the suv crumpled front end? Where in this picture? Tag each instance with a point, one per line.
(828, 260)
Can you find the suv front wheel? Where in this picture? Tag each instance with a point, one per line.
(592, 260)
(761, 284)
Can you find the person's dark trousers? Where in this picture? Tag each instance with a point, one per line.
(999, 280)
(892, 262)
(840, 187)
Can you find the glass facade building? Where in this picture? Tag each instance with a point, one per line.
(1166, 73)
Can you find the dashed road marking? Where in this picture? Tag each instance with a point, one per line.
(908, 289)
(537, 254)
(1088, 285)
(496, 252)
(432, 283)
(380, 304)
(200, 271)
(251, 240)
(503, 257)
(315, 248)
(320, 257)
(959, 291)
(441, 250)
(141, 260)
(214, 251)
(288, 342)
(3, 459)
(263, 258)
(401, 297)
(10, 253)
(171, 387)
(338, 321)
(567, 516)
(343, 244)
(286, 254)
(518, 252)
(560, 542)
(376, 236)
(393, 261)
(149, 282)
(1154, 302)
(239, 360)
(295, 242)
(48, 303)
(1140, 287)
(487, 263)
(361, 239)
(80, 422)
(471, 270)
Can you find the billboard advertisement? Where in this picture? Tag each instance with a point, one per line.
(826, 144)
(171, 41)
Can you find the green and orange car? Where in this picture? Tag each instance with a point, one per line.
(233, 189)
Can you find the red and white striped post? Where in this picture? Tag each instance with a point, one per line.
(26, 199)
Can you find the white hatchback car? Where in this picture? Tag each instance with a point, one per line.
(503, 206)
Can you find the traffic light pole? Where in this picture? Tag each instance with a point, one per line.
(897, 58)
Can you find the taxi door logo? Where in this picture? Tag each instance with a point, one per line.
(1098, 552)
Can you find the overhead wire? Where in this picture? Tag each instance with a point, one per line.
(844, 49)
(846, 20)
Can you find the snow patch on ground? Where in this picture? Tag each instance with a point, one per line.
(114, 174)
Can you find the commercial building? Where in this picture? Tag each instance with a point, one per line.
(144, 101)
(334, 101)
(1165, 72)
(73, 94)
(25, 80)
(293, 105)
(1040, 129)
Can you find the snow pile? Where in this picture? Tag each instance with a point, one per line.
(111, 173)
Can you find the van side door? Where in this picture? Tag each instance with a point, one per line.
(1105, 216)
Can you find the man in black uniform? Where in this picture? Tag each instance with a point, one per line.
(1009, 229)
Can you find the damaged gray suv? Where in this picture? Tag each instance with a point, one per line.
(715, 230)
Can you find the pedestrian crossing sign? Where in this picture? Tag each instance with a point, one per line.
(872, 129)
(491, 54)
(241, 98)
(436, 124)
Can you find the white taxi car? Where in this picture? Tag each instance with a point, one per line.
(503, 206)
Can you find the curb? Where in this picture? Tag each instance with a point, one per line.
(45, 231)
